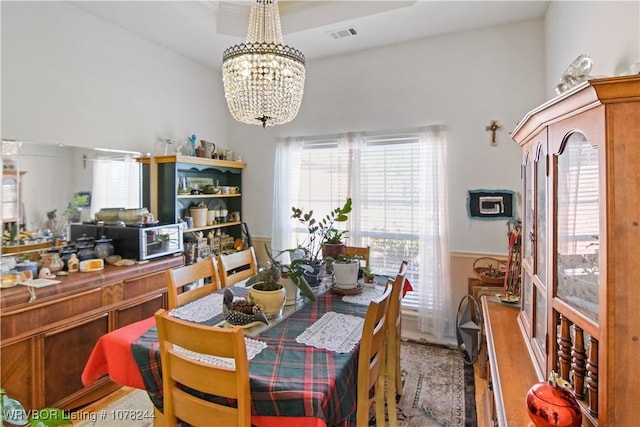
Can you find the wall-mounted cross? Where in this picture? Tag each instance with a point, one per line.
(493, 127)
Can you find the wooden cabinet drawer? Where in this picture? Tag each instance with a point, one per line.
(128, 315)
(39, 316)
(144, 284)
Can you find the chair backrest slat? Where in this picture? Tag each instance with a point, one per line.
(180, 277)
(362, 252)
(237, 266)
(371, 360)
(178, 368)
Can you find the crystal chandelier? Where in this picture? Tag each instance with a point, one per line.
(263, 79)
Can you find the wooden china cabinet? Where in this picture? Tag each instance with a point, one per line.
(580, 311)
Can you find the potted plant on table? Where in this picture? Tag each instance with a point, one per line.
(333, 244)
(269, 286)
(345, 269)
(367, 274)
(319, 233)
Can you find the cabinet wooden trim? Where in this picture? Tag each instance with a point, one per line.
(593, 345)
(176, 158)
(511, 371)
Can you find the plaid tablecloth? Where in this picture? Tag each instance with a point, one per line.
(287, 378)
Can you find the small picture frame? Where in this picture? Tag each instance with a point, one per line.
(198, 182)
(490, 204)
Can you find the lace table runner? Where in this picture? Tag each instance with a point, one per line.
(333, 331)
(199, 310)
(364, 297)
(254, 347)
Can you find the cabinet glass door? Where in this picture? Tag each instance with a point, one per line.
(527, 226)
(540, 327)
(540, 227)
(578, 224)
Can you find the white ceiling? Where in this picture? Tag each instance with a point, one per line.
(202, 30)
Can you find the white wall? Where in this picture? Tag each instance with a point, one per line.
(70, 77)
(463, 81)
(607, 31)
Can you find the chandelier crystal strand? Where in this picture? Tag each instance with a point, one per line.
(263, 78)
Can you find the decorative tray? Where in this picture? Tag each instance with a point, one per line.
(353, 291)
(508, 298)
(247, 326)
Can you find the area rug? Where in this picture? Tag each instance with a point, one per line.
(438, 390)
(438, 387)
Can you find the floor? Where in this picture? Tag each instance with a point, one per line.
(480, 386)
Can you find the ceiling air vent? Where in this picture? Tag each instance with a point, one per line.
(347, 32)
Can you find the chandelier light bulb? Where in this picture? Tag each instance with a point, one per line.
(263, 78)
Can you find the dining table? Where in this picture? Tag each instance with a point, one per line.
(303, 373)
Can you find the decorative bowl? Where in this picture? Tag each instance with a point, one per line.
(108, 215)
(132, 216)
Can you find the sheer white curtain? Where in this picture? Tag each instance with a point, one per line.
(285, 195)
(435, 315)
(398, 184)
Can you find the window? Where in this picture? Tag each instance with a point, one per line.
(397, 183)
(116, 183)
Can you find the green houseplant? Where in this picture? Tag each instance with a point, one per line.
(367, 274)
(319, 232)
(345, 268)
(275, 273)
(13, 413)
(333, 244)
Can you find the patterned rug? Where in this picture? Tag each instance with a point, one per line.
(438, 387)
(438, 391)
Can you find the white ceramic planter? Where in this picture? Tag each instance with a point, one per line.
(272, 302)
(346, 274)
(292, 292)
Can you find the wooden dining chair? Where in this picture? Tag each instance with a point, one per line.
(237, 266)
(362, 252)
(181, 370)
(371, 361)
(394, 338)
(180, 277)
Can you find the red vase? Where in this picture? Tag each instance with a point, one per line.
(550, 405)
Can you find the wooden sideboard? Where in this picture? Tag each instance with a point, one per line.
(45, 343)
(510, 371)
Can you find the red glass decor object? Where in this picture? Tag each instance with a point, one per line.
(550, 404)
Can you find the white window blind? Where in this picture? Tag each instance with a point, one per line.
(381, 172)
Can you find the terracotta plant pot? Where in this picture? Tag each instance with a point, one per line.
(332, 250)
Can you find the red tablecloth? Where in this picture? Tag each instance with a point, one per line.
(112, 356)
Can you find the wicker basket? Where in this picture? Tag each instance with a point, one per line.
(492, 280)
(484, 265)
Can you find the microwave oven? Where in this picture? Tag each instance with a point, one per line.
(139, 243)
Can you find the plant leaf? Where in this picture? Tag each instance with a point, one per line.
(13, 412)
(49, 417)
